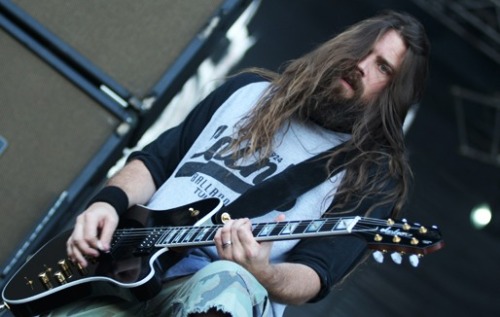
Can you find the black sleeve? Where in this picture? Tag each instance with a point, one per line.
(162, 156)
(334, 257)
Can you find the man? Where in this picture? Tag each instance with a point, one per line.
(354, 90)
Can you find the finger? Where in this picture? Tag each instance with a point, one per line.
(107, 234)
(243, 242)
(236, 230)
(266, 246)
(242, 234)
(78, 245)
(218, 241)
(223, 240)
(226, 239)
(90, 233)
(69, 249)
(74, 253)
(221, 237)
(79, 257)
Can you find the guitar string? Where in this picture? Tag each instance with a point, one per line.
(162, 230)
(132, 235)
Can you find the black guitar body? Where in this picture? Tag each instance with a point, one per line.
(131, 270)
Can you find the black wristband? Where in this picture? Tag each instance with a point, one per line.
(115, 196)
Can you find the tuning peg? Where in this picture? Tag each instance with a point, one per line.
(396, 257)
(378, 256)
(414, 260)
(406, 225)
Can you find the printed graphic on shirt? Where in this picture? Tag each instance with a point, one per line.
(218, 165)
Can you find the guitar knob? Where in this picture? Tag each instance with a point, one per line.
(83, 271)
(60, 278)
(378, 256)
(45, 279)
(64, 266)
(414, 260)
(29, 282)
(397, 257)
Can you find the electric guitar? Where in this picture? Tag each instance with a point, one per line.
(132, 269)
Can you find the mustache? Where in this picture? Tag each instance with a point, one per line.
(353, 77)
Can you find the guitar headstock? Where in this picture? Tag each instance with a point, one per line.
(399, 238)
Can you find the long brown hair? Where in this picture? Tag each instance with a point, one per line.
(377, 133)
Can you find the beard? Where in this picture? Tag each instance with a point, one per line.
(341, 108)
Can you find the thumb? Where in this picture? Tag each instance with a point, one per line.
(266, 246)
(280, 217)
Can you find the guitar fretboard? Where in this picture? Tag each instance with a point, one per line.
(204, 235)
(380, 234)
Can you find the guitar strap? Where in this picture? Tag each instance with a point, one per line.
(283, 188)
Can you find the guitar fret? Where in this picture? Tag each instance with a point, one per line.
(191, 232)
(314, 226)
(301, 227)
(212, 234)
(257, 228)
(203, 232)
(169, 235)
(328, 226)
(178, 237)
(266, 230)
(346, 224)
(278, 227)
(289, 228)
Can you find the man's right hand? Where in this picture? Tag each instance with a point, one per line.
(92, 233)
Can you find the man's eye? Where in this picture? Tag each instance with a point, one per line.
(385, 69)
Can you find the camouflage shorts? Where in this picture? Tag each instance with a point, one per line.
(221, 285)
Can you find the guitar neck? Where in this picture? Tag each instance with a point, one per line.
(380, 234)
(272, 231)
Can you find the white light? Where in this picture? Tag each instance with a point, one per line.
(378, 256)
(480, 216)
(410, 117)
(397, 257)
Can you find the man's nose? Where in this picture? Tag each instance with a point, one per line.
(360, 69)
(362, 66)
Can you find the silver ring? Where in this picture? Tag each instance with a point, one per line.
(226, 244)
